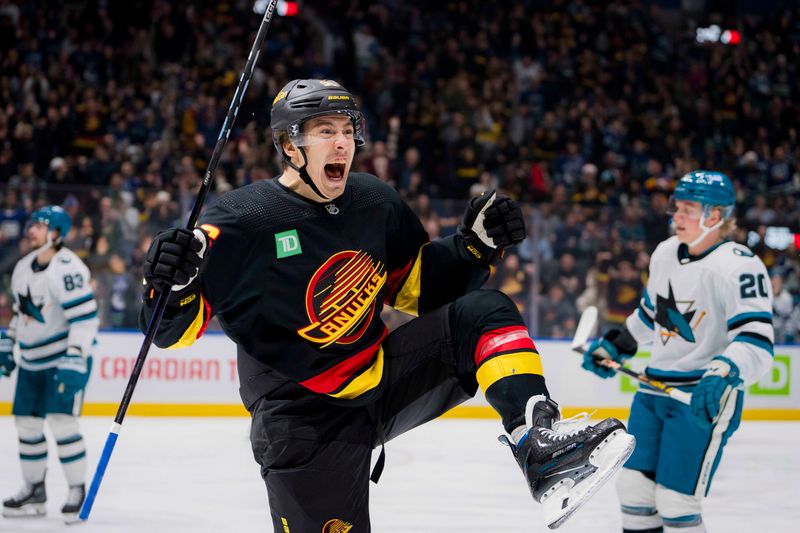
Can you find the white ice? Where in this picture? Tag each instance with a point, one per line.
(198, 474)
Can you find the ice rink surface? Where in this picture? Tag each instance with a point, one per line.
(198, 474)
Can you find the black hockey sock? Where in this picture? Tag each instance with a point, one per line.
(509, 395)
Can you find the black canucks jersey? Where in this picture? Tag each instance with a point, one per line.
(299, 286)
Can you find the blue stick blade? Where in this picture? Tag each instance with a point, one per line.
(105, 457)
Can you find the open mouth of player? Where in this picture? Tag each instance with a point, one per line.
(334, 171)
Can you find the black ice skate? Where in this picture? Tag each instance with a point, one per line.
(72, 506)
(29, 501)
(565, 468)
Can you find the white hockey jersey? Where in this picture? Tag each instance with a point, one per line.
(695, 308)
(54, 308)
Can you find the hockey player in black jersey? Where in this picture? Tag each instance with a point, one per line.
(297, 270)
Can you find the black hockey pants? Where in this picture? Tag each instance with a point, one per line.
(315, 456)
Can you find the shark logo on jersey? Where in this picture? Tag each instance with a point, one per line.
(30, 309)
(675, 317)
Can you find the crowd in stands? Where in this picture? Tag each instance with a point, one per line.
(586, 111)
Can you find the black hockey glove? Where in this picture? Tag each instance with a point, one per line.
(174, 258)
(491, 222)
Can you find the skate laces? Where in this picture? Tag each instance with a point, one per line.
(567, 427)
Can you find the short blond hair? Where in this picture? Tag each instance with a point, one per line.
(728, 226)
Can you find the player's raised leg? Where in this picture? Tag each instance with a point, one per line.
(563, 464)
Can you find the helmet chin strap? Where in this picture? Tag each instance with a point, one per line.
(303, 173)
(705, 230)
(46, 246)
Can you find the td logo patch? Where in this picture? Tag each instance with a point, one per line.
(287, 244)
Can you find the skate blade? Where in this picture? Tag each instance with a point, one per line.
(608, 457)
(32, 510)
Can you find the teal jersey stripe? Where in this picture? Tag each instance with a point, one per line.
(69, 440)
(683, 521)
(77, 301)
(81, 318)
(639, 510)
(72, 458)
(49, 340)
(46, 359)
(647, 301)
(663, 375)
(646, 319)
(37, 440)
(36, 457)
(756, 340)
(745, 318)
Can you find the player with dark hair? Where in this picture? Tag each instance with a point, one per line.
(297, 270)
(54, 328)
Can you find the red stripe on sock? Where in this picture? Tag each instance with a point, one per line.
(501, 340)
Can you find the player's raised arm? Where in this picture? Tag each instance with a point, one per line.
(429, 275)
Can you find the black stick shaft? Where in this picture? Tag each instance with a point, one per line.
(161, 304)
(208, 178)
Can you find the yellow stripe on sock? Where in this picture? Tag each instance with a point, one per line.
(506, 365)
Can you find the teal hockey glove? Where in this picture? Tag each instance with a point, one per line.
(618, 344)
(7, 364)
(716, 388)
(72, 372)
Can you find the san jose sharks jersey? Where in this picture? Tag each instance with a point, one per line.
(299, 286)
(697, 307)
(54, 308)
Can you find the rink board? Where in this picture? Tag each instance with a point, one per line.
(201, 380)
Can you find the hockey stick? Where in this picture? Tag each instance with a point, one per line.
(580, 343)
(161, 304)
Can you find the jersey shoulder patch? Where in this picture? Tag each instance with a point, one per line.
(742, 251)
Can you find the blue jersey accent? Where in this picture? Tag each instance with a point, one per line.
(745, 318)
(81, 318)
(756, 340)
(49, 340)
(77, 301)
(646, 319)
(647, 302)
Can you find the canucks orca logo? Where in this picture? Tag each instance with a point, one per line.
(675, 317)
(28, 308)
